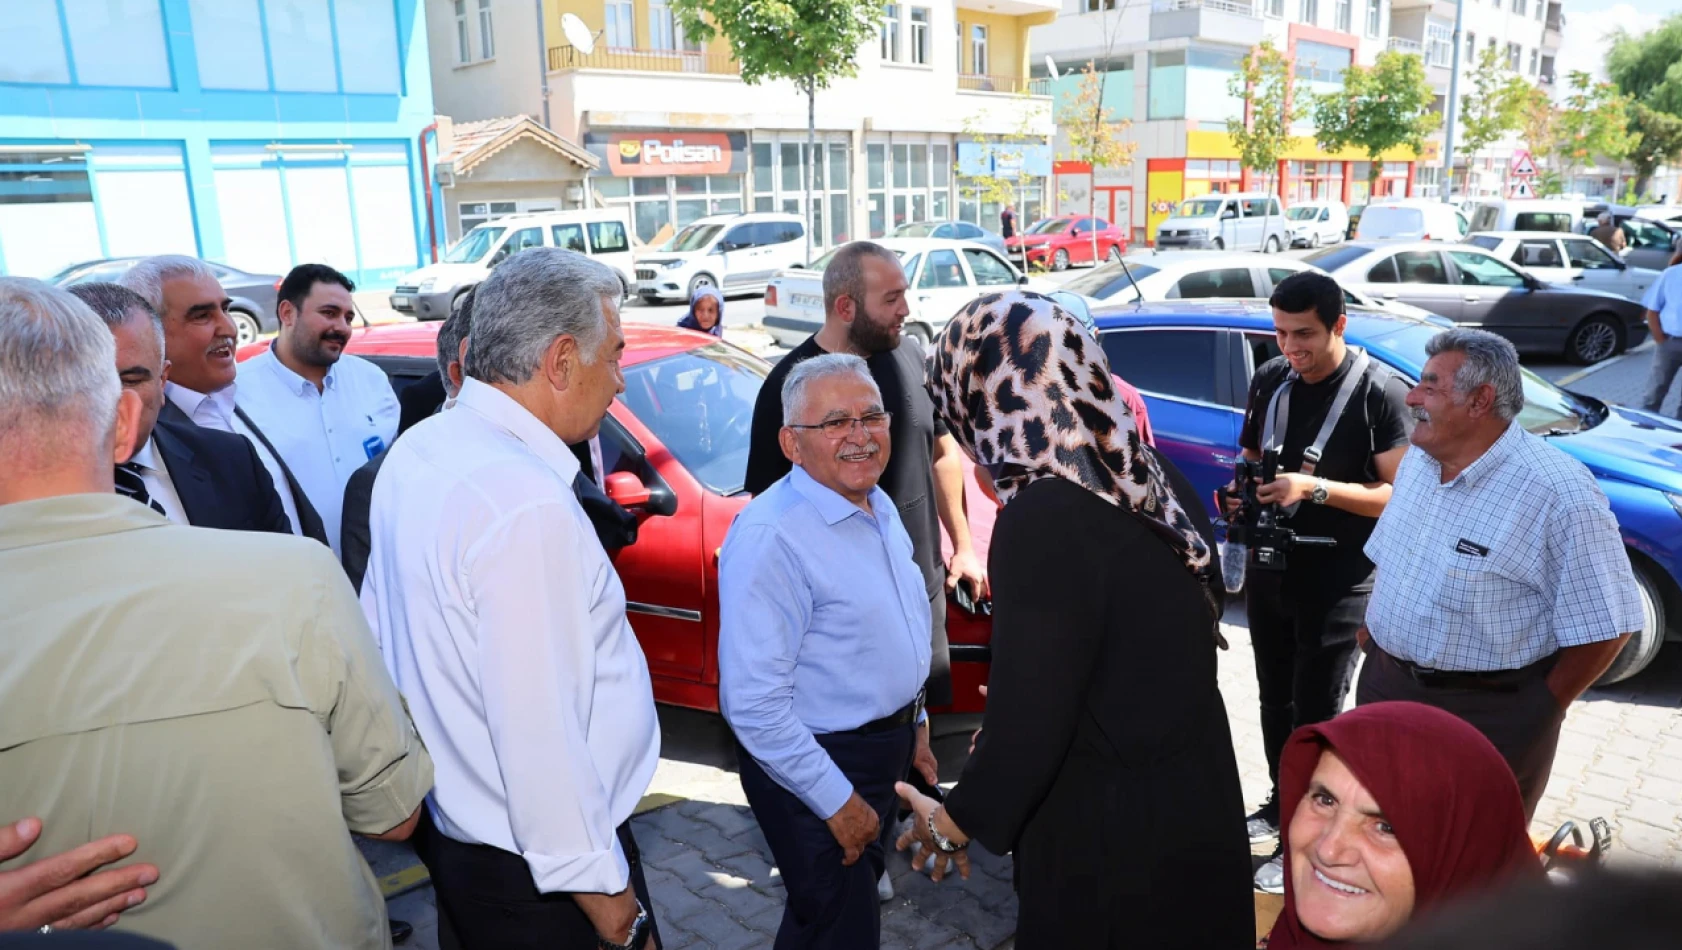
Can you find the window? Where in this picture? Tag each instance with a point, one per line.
(34, 45)
(1515, 55)
(464, 46)
(1535, 253)
(978, 50)
(1226, 282)
(1345, 15)
(686, 399)
(1176, 363)
(569, 237)
(989, 271)
(920, 35)
(301, 45)
(1274, 8)
(1167, 93)
(621, 30)
(1641, 233)
(1519, 7)
(519, 241)
(367, 34)
(890, 33)
(1322, 62)
(1384, 272)
(1094, 6)
(228, 44)
(487, 47)
(1471, 46)
(1439, 44)
(1374, 13)
(662, 29)
(1542, 221)
(1535, 61)
(1420, 267)
(118, 42)
(941, 270)
(1480, 270)
(1308, 11)
(1589, 255)
(608, 236)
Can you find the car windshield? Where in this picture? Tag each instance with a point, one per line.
(694, 237)
(1051, 226)
(1303, 213)
(1548, 410)
(1108, 280)
(1383, 223)
(818, 265)
(699, 404)
(1200, 208)
(913, 230)
(474, 246)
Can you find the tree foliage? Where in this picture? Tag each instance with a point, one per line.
(1006, 176)
(1660, 143)
(1494, 107)
(1648, 69)
(1593, 123)
(1381, 107)
(1264, 132)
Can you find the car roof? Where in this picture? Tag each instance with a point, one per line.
(643, 342)
(1529, 235)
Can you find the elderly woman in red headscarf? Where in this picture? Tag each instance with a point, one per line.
(1389, 810)
(1105, 763)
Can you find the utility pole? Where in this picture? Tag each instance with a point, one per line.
(543, 62)
(1453, 102)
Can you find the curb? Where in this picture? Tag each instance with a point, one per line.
(1587, 371)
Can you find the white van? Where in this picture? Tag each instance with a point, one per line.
(1314, 223)
(1226, 222)
(736, 253)
(602, 233)
(1528, 214)
(1410, 219)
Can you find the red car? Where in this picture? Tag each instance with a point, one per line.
(675, 447)
(1058, 242)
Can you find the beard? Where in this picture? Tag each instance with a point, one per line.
(868, 336)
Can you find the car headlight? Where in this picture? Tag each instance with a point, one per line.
(673, 265)
(426, 286)
(1675, 501)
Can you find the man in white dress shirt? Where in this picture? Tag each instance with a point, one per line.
(199, 344)
(503, 622)
(327, 414)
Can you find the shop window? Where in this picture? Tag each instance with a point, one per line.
(1167, 84)
(902, 166)
(47, 216)
(919, 166)
(838, 167)
(941, 156)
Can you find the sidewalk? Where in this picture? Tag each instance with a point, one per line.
(1621, 380)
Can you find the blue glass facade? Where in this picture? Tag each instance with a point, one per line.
(256, 133)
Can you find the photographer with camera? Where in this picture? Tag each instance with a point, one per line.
(1324, 430)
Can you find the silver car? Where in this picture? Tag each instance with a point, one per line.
(954, 230)
(1475, 288)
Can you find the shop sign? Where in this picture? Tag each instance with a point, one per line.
(644, 154)
(1003, 160)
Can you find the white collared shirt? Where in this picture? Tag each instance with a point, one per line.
(503, 623)
(216, 411)
(155, 474)
(325, 434)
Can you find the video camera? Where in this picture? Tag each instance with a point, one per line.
(1256, 525)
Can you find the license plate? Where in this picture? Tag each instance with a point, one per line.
(806, 300)
(400, 301)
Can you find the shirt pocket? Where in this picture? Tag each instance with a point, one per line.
(1479, 585)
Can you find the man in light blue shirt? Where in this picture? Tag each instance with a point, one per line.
(823, 651)
(1664, 319)
(327, 414)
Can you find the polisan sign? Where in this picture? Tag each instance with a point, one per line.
(667, 153)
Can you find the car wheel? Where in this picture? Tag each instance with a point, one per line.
(1643, 644)
(1219, 244)
(246, 327)
(649, 299)
(1060, 261)
(1115, 253)
(1272, 245)
(1314, 239)
(699, 281)
(919, 332)
(1597, 338)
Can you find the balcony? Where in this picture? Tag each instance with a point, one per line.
(1009, 85)
(1402, 44)
(1235, 22)
(565, 59)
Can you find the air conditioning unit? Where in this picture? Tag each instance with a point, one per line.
(445, 175)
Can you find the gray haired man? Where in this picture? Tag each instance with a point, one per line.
(503, 621)
(1503, 590)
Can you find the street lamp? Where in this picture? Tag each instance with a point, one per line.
(1453, 103)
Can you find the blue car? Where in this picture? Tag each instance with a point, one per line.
(1192, 361)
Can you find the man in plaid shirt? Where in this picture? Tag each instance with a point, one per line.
(1503, 590)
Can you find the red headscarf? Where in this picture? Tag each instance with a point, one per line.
(1449, 795)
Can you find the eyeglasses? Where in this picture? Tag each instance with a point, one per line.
(841, 428)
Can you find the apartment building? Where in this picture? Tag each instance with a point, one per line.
(257, 134)
(1526, 35)
(667, 128)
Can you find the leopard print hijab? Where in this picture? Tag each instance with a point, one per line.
(1026, 389)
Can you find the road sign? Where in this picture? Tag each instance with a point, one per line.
(1521, 189)
(1523, 167)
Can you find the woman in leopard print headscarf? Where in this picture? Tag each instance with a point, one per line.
(1105, 764)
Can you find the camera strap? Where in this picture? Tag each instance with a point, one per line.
(1280, 407)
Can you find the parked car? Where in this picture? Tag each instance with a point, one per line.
(1410, 219)
(431, 292)
(1665, 213)
(1251, 221)
(1058, 242)
(1193, 361)
(953, 230)
(1187, 275)
(1528, 214)
(1650, 244)
(736, 253)
(253, 295)
(1314, 223)
(675, 452)
(1568, 258)
(941, 275)
(1473, 287)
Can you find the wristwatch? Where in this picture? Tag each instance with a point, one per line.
(639, 933)
(941, 842)
(1319, 495)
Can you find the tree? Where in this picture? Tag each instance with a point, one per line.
(1660, 143)
(1095, 136)
(1006, 174)
(1492, 109)
(1594, 122)
(1381, 107)
(1538, 125)
(1264, 131)
(811, 42)
(1641, 67)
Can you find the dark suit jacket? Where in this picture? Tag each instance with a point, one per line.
(419, 399)
(221, 481)
(308, 520)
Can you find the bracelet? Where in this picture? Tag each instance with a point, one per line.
(941, 842)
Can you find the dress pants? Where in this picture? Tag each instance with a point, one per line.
(1667, 359)
(1305, 655)
(487, 901)
(829, 906)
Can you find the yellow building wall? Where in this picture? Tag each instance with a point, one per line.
(1206, 144)
(1007, 43)
(594, 15)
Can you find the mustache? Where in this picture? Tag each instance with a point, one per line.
(1420, 415)
(335, 335)
(872, 448)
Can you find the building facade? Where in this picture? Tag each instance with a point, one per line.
(941, 109)
(255, 133)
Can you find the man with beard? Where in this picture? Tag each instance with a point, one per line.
(326, 413)
(864, 311)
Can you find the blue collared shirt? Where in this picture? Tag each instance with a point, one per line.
(1664, 297)
(323, 435)
(824, 627)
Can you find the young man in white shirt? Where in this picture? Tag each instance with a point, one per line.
(503, 622)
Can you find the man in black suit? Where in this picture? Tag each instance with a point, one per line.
(189, 474)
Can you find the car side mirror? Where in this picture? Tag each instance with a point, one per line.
(1579, 277)
(628, 491)
(797, 266)
(1022, 280)
(1229, 213)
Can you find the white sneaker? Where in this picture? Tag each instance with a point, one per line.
(1270, 877)
(885, 887)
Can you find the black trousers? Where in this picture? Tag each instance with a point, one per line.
(1305, 655)
(830, 906)
(487, 901)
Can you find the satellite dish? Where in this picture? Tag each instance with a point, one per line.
(578, 34)
(1051, 67)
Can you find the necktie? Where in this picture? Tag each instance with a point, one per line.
(131, 484)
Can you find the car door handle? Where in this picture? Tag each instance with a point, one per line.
(1471, 298)
(1388, 295)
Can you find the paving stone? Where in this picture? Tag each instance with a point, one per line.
(724, 932)
(1660, 814)
(728, 820)
(739, 898)
(1620, 767)
(1663, 789)
(1602, 786)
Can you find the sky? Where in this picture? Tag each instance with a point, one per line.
(1588, 24)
